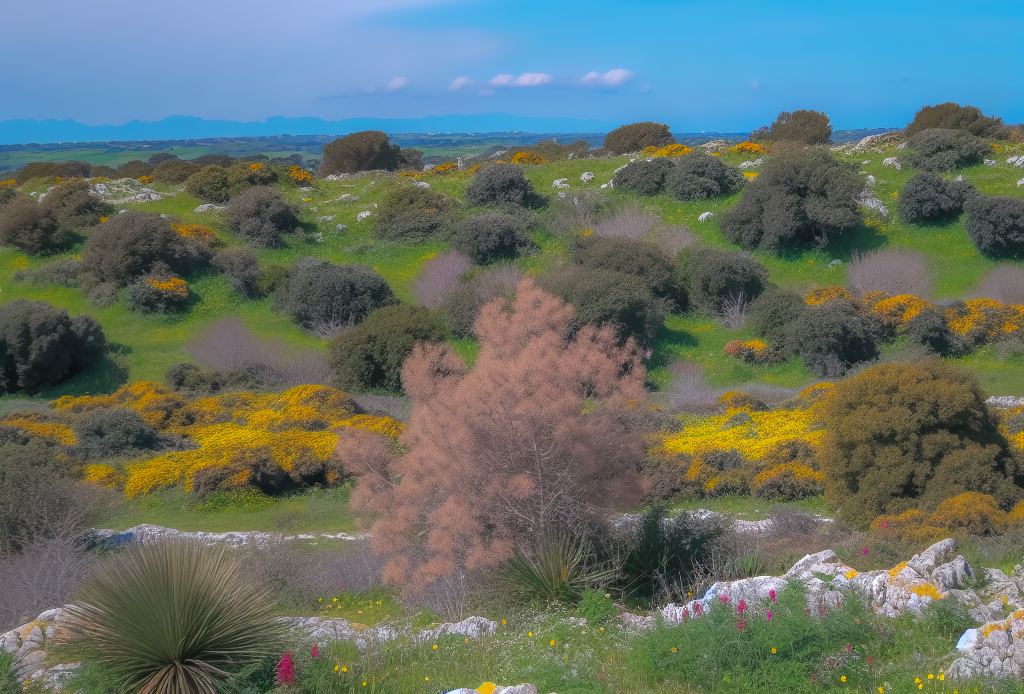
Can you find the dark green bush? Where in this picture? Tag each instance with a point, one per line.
(802, 196)
(929, 328)
(174, 171)
(210, 184)
(129, 245)
(927, 197)
(161, 157)
(243, 175)
(371, 354)
(134, 169)
(770, 314)
(73, 168)
(73, 208)
(502, 184)
(368, 150)
(643, 259)
(7, 193)
(260, 215)
(104, 171)
(242, 266)
(150, 293)
(644, 177)
(29, 226)
(996, 225)
(938, 149)
(63, 272)
(224, 161)
(486, 238)
(606, 297)
(900, 436)
(635, 136)
(953, 116)
(412, 158)
(271, 278)
(413, 214)
(36, 169)
(699, 176)
(803, 126)
(115, 432)
(715, 278)
(461, 305)
(41, 345)
(832, 337)
(324, 298)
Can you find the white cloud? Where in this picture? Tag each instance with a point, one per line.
(527, 79)
(396, 84)
(613, 78)
(460, 82)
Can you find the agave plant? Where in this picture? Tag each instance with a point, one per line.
(174, 617)
(560, 567)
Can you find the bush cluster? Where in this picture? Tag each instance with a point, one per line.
(953, 116)
(644, 177)
(996, 225)
(324, 298)
(160, 291)
(467, 294)
(643, 259)
(715, 278)
(770, 314)
(36, 169)
(73, 207)
(700, 176)
(130, 245)
(930, 329)
(371, 354)
(261, 215)
(224, 161)
(134, 169)
(242, 267)
(803, 127)
(118, 431)
(832, 337)
(41, 345)
(635, 136)
(368, 150)
(174, 171)
(939, 149)
(486, 238)
(29, 226)
(801, 196)
(209, 184)
(413, 214)
(503, 184)
(927, 197)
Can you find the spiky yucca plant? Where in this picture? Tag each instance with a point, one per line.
(559, 568)
(174, 617)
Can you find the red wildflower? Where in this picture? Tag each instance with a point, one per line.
(742, 606)
(315, 652)
(864, 551)
(769, 615)
(771, 594)
(740, 624)
(285, 669)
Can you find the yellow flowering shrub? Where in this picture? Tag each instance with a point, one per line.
(104, 475)
(980, 320)
(747, 148)
(822, 294)
(754, 352)
(667, 151)
(900, 309)
(927, 590)
(255, 166)
(817, 391)
(300, 175)
(789, 481)
(175, 287)
(20, 262)
(972, 512)
(527, 158)
(445, 168)
(753, 436)
(152, 401)
(1016, 516)
(35, 424)
(199, 232)
(750, 174)
(145, 179)
(8, 182)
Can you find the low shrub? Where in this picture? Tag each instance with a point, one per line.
(130, 245)
(972, 512)
(803, 126)
(7, 192)
(636, 136)
(324, 298)
(832, 337)
(754, 352)
(29, 226)
(222, 160)
(486, 238)
(261, 215)
(643, 259)
(996, 225)
(788, 481)
(439, 276)
(371, 354)
(369, 150)
(1003, 283)
(161, 157)
(174, 171)
(115, 432)
(770, 314)
(596, 607)
(802, 196)
(210, 184)
(160, 291)
(938, 149)
(36, 169)
(41, 345)
(411, 158)
(927, 197)
(628, 222)
(71, 205)
(894, 271)
(64, 272)
(460, 306)
(929, 328)
(953, 116)
(714, 278)
(700, 176)
(134, 169)
(413, 214)
(242, 266)
(503, 184)
(644, 177)
(242, 175)
(899, 436)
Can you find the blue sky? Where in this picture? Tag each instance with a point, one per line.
(726, 66)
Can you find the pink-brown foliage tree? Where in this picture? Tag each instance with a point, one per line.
(531, 439)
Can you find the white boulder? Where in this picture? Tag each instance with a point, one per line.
(705, 216)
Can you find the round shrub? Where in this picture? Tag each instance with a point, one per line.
(699, 176)
(114, 432)
(930, 328)
(486, 238)
(242, 266)
(73, 169)
(134, 169)
(130, 245)
(371, 354)
(972, 512)
(802, 196)
(174, 171)
(788, 481)
(770, 314)
(260, 215)
(324, 298)
(938, 149)
(29, 226)
(71, 205)
(462, 303)
(161, 157)
(502, 184)
(715, 278)
(224, 161)
(104, 171)
(242, 175)
(644, 177)
(953, 116)
(7, 193)
(369, 150)
(832, 337)
(643, 259)
(36, 169)
(413, 214)
(157, 292)
(803, 126)
(210, 183)
(900, 436)
(996, 225)
(927, 197)
(606, 297)
(41, 345)
(635, 136)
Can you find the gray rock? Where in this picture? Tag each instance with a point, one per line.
(560, 183)
(705, 216)
(208, 206)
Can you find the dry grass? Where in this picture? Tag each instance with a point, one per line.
(1003, 283)
(439, 276)
(629, 223)
(890, 270)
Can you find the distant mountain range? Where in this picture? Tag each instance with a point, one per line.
(24, 131)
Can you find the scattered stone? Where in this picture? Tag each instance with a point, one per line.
(892, 161)
(561, 195)
(33, 193)
(902, 145)
(121, 211)
(363, 215)
(751, 164)
(1020, 183)
(1016, 160)
(458, 163)
(995, 649)
(343, 176)
(990, 162)
(207, 207)
(341, 227)
(870, 180)
(866, 142)
(560, 183)
(424, 184)
(149, 533)
(835, 261)
(587, 176)
(1004, 402)
(326, 218)
(869, 201)
(705, 216)
(41, 196)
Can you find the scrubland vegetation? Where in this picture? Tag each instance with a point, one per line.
(483, 367)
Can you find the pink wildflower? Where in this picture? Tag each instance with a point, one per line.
(771, 594)
(769, 615)
(864, 551)
(285, 669)
(315, 652)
